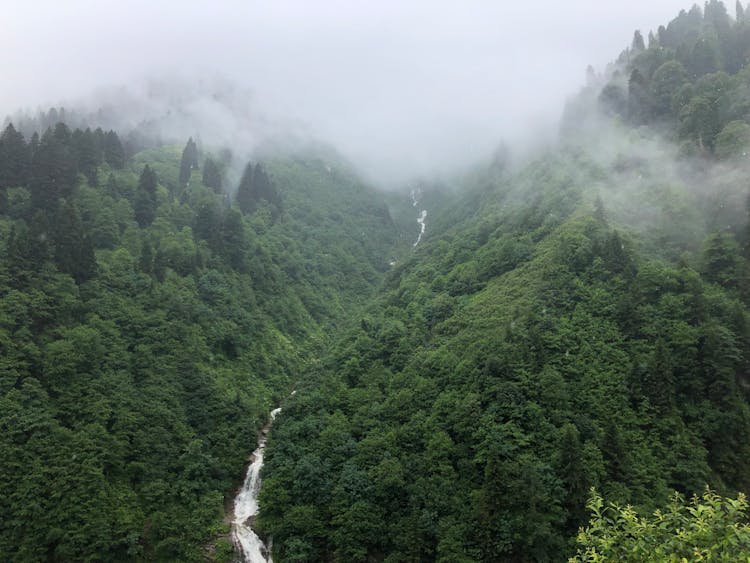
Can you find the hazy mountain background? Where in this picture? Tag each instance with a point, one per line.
(403, 89)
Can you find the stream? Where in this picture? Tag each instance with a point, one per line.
(420, 220)
(416, 195)
(246, 541)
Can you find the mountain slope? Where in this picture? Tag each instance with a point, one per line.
(146, 328)
(580, 322)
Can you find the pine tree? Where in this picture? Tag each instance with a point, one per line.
(255, 186)
(114, 154)
(212, 175)
(14, 158)
(639, 99)
(23, 259)
(189, 162)
(245, 197)
(74, 253)
(145, 198)
(740, 11)
(207, 224)
(659, 383)
(54, 171)
(573, 473)
(146, 261)
(87, 157)
(233, 239)
(638, 43)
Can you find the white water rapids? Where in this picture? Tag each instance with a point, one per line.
(416, 195)
(420, 220)
(245, 539)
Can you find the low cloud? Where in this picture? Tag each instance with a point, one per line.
(402, 89)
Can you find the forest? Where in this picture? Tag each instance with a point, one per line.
(579, 322)
(149, 322)
(551, 373)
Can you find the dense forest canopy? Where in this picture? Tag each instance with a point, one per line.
(549, 372)
(149, 321)
(578, 322)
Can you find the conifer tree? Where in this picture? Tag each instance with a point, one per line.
(638, 98)
(659, 384)
(233, 238)
(114, 154)
(14, 158)
(189, 161)
(246, 190)
(146, 261)
(255, 186)
(74, 253)
(212, 175)
(54, 170)
(145, 197)
(87, 156)
(638, 43)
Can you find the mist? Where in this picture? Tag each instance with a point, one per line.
(402, 90)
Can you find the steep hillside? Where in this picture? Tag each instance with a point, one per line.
(147, 325)
(580, 322)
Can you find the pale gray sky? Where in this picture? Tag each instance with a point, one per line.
(400, 87)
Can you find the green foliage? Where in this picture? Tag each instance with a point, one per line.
(189, 162)
(691, 78)
(708, 528)
(145, 333)
(528, 351)
(734, 140)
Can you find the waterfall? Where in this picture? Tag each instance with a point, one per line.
(420, 220)
(245, 539)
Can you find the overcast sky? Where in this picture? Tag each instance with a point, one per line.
(400, 87)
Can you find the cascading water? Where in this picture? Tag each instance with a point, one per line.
(245, 539)
(420, 220)
(416, 195)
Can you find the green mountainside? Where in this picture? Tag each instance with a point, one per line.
(576, 320)
(148, 325)
(579, 322)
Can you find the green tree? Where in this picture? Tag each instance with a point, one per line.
(54, 171)
(74, 253)
(145, 197)
(721, 259)
(114, 154)
(659, 382)
(733, 140)
(665, 83)
(709, 528)
(14, 158)
(639, 98)
(212, 175)
(189, 162)
(638, 44)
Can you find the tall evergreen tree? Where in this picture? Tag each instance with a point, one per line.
(189, 161)
(114, 154)
(638, 44)
(639, 99)
(88, 157)
(256, 186)
(233, 238)
(212, 175)
(74, 253)
(659, 383)
(54, 169)
(145, 197)
(14, 158)
(246, 197)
